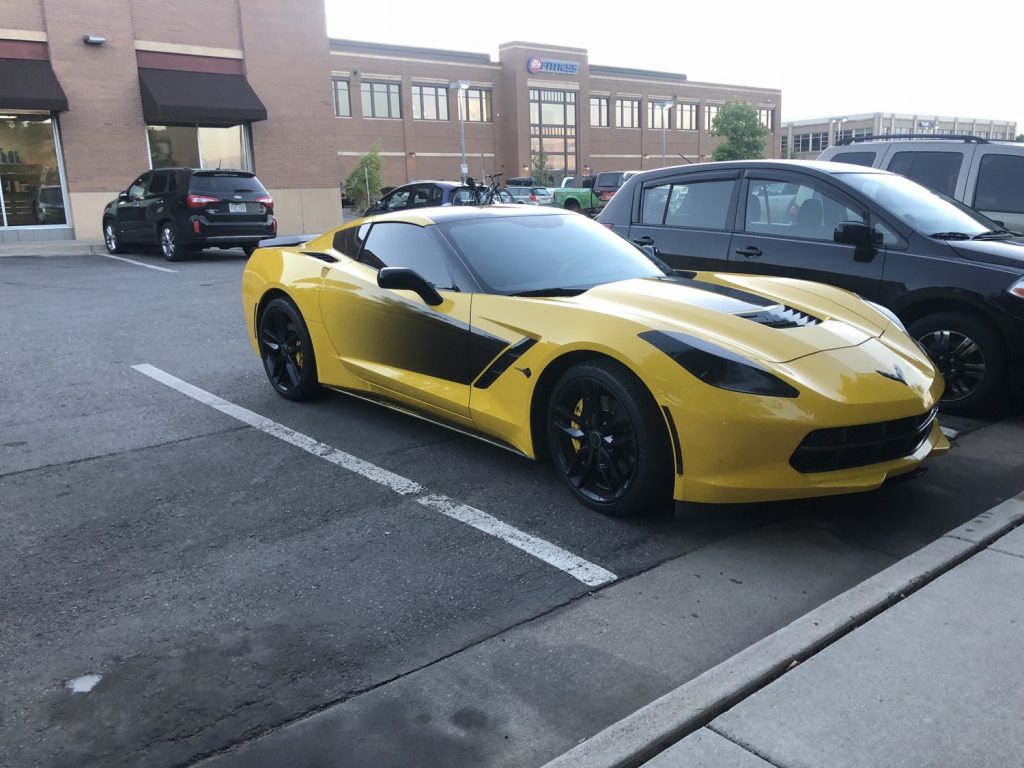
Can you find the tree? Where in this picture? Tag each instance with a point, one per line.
(1020, 137)
(744, 134)
(540, 171)
(362, 186)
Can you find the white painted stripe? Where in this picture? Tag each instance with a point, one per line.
(577, 567)
(139, 263)
(397, 483)
(580, 569)
(949, 433)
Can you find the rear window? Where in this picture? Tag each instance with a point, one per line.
(216, 183)
(1000, 184)
(935, 170)
(855, 158)
(609, 179)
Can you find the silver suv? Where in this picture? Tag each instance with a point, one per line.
(986, 175)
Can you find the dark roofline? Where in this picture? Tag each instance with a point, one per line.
(384, 49)
(597, 69)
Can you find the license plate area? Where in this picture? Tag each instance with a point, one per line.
(236, 208)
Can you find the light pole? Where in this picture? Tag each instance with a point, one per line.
(460, 86)
(664, 106)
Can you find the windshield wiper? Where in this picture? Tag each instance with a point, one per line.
(552, 292)
(994, 234)
(951, 236)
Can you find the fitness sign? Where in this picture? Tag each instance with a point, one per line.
(552, 66)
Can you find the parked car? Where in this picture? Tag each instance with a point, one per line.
(540, 331)
(954, 277)
(522, 181)
(421, 194)
(187, 209)
(48, 205)
(986, 175)
(531, 195)
(607, 183)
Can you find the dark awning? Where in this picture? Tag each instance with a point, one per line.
(173, 97)
(30, 84)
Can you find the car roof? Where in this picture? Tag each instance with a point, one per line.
(821, 167)
(439, 214)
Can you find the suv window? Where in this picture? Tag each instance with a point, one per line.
(999, 185)
(223, 183)
(855, 158)
(609, 179)
(138, 187)
(935, 170)
(158, 185)
(397, 244)
(701, 204)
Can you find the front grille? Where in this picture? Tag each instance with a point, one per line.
(780, 316)
(824, 450)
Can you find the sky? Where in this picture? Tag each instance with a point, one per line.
(827, 58)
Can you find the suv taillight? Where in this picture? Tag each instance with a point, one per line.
(201, 201)
(268, 201)
(533, 198)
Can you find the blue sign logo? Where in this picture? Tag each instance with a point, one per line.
(552, 66)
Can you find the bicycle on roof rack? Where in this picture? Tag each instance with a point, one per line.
(489, 194)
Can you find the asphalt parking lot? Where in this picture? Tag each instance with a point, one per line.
(199, 572)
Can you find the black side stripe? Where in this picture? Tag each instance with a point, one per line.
(503, 362)
(676, 449)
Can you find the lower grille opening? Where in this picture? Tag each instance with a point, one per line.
(825, 450)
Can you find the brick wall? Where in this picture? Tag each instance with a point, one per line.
(22, 14)
(210, 23)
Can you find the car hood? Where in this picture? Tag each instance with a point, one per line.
(1003, 253)
(771, 319)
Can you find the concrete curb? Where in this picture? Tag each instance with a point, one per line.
(46, 249)
(642, 735)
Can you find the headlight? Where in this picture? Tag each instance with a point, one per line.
(719, 367)
(1017, 289)
(888, 313)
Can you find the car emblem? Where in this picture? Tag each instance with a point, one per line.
(238, 197)
(897, 376)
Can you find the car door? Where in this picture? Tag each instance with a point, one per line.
(688, 219)
(786, 228)
(995, 185)
(393, 340)
(130, 213)
(152, 205)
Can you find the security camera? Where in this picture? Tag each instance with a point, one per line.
(93, 39)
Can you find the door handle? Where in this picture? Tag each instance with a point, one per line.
(750, 252)
(645, 240)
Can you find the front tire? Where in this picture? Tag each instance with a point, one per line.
(970, 356)
(608, 439)
(111, 237)
(169, 245)
(287, 351)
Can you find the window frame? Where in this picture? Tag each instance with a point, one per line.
(368, 90)
(621, 103)
(601, 104)
(439, 98)
(336, 82)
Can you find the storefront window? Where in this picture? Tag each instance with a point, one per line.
(190, 147)
(30, 185)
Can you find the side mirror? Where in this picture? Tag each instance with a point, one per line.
(122, 195)
(864, 239)
(405, 279)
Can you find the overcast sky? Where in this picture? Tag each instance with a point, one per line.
(827, 58)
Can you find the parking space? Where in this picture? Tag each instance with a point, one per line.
(227, 562)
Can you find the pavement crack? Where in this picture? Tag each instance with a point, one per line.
(744, 747)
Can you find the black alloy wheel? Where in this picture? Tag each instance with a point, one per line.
(608, 439)
(111, 238)
(968, 354)
(287, 351)
(169, 242)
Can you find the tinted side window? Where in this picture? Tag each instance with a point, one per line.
(935, 170)
(138, 187)
(398, 200)
(1000, 184)
(394, 244)
(158, 185)
(855, 158)
(702, 204)
(348, 241)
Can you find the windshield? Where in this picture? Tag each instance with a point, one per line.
(917, 206)
(515, 254)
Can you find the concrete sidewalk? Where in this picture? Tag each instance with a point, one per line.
(918, 666)
(53, 248)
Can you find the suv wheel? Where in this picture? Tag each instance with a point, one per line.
(111, 238)
(169, 242)
(969, 355)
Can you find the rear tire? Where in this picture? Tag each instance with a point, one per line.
(970, 355)
(287, 351)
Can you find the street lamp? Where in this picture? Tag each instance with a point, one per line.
(460, 86)
(836, 128)
(664, 106)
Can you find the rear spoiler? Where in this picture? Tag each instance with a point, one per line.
(287, 241)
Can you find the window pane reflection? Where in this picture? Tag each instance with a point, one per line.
(174, 146)
(29, 174)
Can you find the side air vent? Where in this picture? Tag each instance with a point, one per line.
(781, 316)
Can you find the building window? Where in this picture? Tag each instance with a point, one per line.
(767, 118)
(553, 129)
(191, 147)
(381, 100)
(429, 102)
(599, 111)
(710, 113)
(627, 113)
(342, 102)
(784, 144)
(31, 189)
(657, 115)
(686, 117)
(478, 105)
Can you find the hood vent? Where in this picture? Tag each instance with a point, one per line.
(780, 316)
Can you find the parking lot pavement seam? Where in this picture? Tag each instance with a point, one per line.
(639, 737)
(745, 747)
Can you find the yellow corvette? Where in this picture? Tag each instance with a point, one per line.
(541, 331)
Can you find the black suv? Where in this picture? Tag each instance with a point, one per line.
(184, 209)
(954, 277)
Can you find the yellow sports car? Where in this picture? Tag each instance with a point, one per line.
(541, 331)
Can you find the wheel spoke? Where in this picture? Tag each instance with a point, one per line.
(270, 340)
(292, 369)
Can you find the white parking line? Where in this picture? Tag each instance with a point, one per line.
(138, 263)
(590, 574)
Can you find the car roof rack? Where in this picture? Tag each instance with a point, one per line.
(938, 137)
